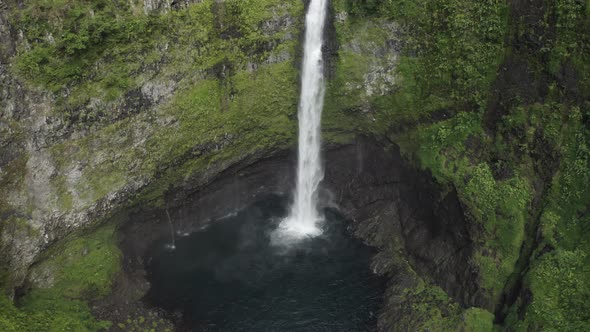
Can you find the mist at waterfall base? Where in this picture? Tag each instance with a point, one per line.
(231, 277)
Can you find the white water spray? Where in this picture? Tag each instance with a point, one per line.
(304, 216)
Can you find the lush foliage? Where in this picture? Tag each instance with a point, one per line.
(519, 161)
(69, 37)
(81, 269)
(102, 49)
(452, 54)
(500, 150)
(233, 77)
(431, 308)
(559, 277)
(452, 149)
(55, 315)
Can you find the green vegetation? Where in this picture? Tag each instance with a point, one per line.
(235, 95)
(429, 308)
(69, 37)
(78, 270)
(55, 315)
(517, 157)
(518, 153)
(559, 278)
(232, 98)
(452, 54)
(83, 267)
(452, 149)
(100, 49)
(259, 117)
(350, 96)
(150, 322)
(560, 286)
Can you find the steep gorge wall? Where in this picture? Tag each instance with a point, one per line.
(491, 98)
(107, 106)
(80, 140)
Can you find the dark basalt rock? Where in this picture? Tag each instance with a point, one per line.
(394, 207)
(377, 188)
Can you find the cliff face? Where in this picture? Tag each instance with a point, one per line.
(98, 109)
(493, 100)
(107, 107)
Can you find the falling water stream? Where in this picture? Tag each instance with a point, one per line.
(271, 266)
(304, 217)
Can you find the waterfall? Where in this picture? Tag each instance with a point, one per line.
(171, 246)
(304, 216)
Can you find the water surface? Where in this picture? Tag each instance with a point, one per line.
(231, 277)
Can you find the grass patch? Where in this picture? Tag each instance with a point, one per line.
(429, 308)
(75, 271)
(83, 267)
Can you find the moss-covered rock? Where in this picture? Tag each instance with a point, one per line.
(119, 103)
(80, 269)
(122, 103)
(491, 98)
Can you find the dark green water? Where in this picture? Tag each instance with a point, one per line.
(230, 277)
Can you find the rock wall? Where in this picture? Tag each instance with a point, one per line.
(77, 148)
(142, 119)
